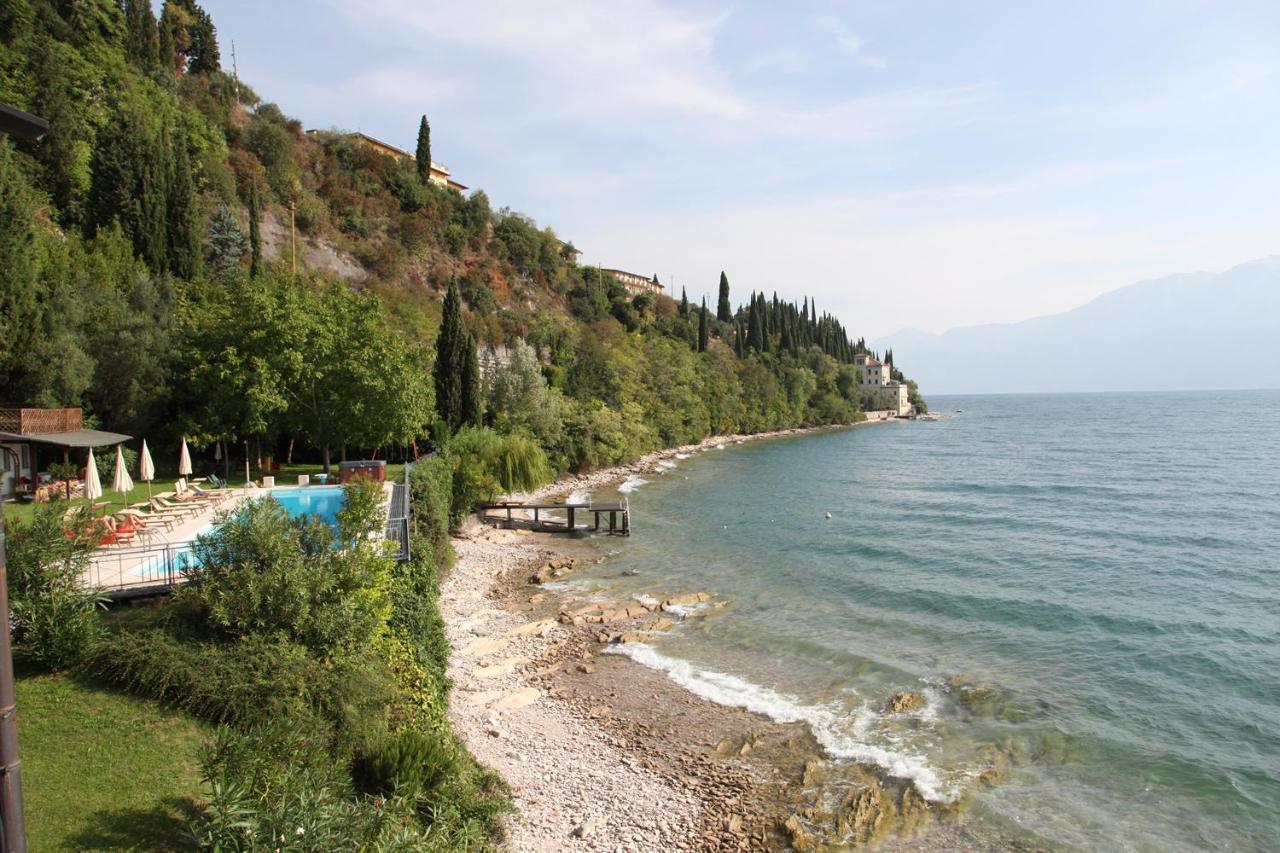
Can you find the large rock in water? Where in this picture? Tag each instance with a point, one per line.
(904, 702)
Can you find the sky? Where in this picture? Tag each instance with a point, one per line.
(908, 164)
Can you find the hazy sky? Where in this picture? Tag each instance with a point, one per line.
(926, 164)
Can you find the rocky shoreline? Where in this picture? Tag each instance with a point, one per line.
(605, 754)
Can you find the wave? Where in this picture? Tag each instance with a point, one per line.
(632, 483)
(824, 721)
(665, 465)
(683, 455)
(579, 496)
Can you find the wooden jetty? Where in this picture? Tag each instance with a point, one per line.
(612, 517)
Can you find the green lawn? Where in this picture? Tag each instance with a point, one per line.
(286, 476)
(103, 770)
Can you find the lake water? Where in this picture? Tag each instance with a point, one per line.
(1084, 588)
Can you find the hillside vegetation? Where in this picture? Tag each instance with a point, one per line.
(147, 279)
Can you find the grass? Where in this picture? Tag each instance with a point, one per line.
(104, 770)
(115, 501)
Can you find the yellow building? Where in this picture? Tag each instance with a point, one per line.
(635, 284)
(437, 174)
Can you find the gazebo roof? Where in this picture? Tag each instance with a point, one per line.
(75, 438)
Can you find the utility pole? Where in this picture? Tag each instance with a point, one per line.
(293, 234)
(235, 72)
(13, 834)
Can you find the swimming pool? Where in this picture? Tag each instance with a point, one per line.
(324, 502)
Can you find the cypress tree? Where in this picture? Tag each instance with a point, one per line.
(740, 339)
(787, 344)
(684, 303)
(724, 311)
(203, 54)
(470, 382)
(183, 242)
(255, 234)
(450, 345)
(702, 327)
(423, 154)
(142, 40)
(754, 338)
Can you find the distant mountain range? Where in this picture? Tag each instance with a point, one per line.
(1192, 331)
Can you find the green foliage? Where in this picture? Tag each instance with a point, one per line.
(275, 787)
(260, 572)
(363, 510)
(255, 234)
(408, 763)
(724, 310)
(54, 618)
(422, 158)
(431, 487)
(486, 464)
(226, 245)
(456, 372)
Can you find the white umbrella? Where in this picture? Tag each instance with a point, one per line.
(217, 452)
(184, 460)
(146, 468)
(122, 481)
(92, 485)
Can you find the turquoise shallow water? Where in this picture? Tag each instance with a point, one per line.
(1086, 589)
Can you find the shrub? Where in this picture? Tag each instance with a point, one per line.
(486, 464)
(408, 763)
(276, 788)
(363, 510)
(259, 572)
(431, 487)
(54, 618)
(246, 680)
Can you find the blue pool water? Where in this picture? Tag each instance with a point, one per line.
(322, 501)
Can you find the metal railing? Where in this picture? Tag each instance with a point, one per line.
(154, 566)
(398, 517)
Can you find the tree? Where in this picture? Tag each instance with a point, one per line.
(684, 303)
(255, 234)
(183, 228)
(472, 397)
(702, 327)
(724, 311)
(226, 245)
(451, 345)
(423, 153)
(142, 41)
(203, 56)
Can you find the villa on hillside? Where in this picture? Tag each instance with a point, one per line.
(635, 284)
(438, 175)
(876, 376)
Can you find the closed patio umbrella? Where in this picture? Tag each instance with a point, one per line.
(184, 460)
(146, 468)
(122, 481)
(92, 485)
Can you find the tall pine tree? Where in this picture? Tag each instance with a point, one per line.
(423, 154)
(142, 39)
(451, 345)
(684, 303)
(702, 327)
(472, 400)
(255, 234)
(183, 242)
(724, 311)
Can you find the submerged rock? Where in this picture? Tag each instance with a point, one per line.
(904, 702)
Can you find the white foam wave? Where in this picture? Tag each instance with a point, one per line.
(632, 483)
(832, 728)
(666, 464)
(683, 455)
(579, 496)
